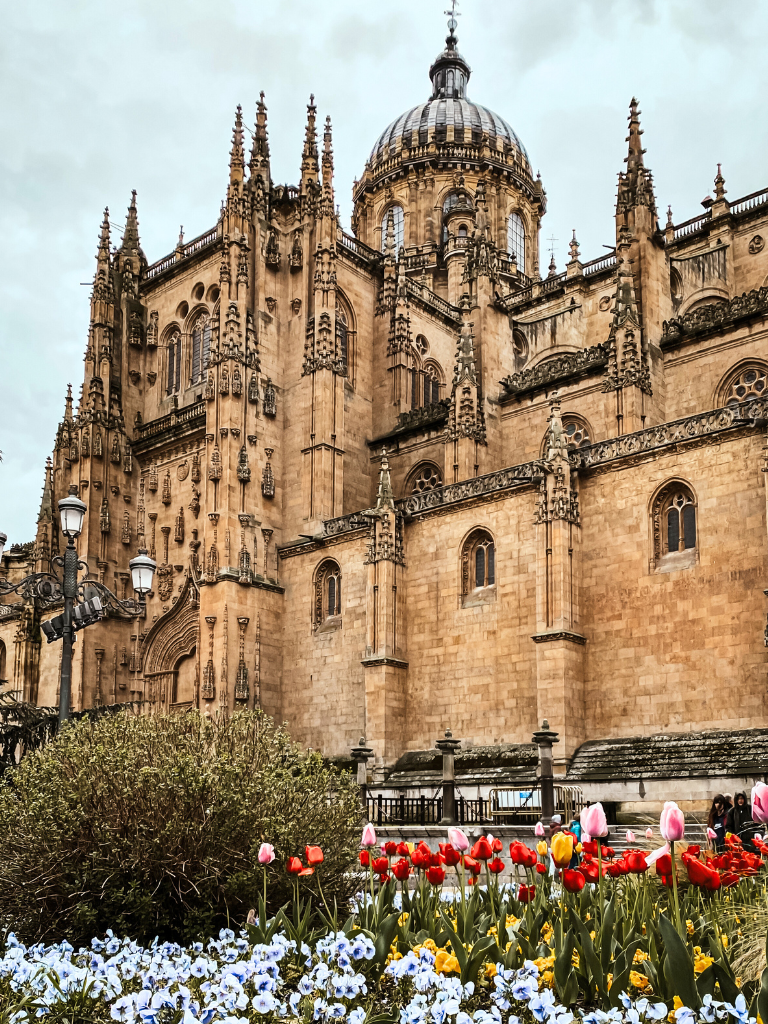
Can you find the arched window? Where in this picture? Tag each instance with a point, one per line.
(399, 226)
(516, 239)
(462, 230)
(519, 349)
(425, 477)
(433, 381)
(201, 346)
(478, 564)
(451, 200)
(342, 333)
(577, 431)
(674, 527)
(173, 345)
(748, 380)
(327, 604)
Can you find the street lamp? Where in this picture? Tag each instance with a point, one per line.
(48, 589)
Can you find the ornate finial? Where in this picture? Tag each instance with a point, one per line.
(573, 247)
(180, 242)
(237, 155)
(552, 266)
(131, 235)
(720, 190)
(385, 498)
(453, 14)
(670, 223)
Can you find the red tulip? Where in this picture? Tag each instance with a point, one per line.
(314, 856)
(435, 875)
(664, 864)
(472, 865)
(401, 869)
(390, 848)
(294, 866)
(590, 846)
(451, 855)
(496, 866)
(729, 879)
(588, 868)
(573, 880)
(365, 858)
(419, 858)
(516, 851)
(609, 852)
(540, 869)
(403, 850)
(385, 878)
(497, 846)
(635, 861)
(694, 851)
(381, 865)
(306, 871)
(435, 860)
(526, 893)
(617, 868)
(482, 849)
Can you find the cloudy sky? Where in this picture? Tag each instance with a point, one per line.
(98, 97)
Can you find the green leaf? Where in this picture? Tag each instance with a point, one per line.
(475, 959)
(384, 938)
(762, 998)
(563, 963)
(678, 967)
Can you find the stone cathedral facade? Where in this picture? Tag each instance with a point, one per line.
(414, 478)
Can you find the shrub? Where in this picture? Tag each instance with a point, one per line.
(150, 825)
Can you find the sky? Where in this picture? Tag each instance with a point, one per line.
(99, 97)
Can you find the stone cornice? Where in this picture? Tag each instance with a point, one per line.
(563, 634)
(716, 316)
(555, 370)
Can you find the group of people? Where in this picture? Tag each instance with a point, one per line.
(734, 815)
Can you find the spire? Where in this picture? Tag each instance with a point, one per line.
(552, 265)
(328, 200)
(130, 242)
(68, 405)
(309, 165)
(102, 256)
(46, 501)
(636, 183)
(385, 498)
(236, 154)
(389, 238)
(259, 162)
(573, 247)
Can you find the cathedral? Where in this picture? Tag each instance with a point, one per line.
(412, 478)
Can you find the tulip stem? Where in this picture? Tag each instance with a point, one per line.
(674, 890)
(600, 883)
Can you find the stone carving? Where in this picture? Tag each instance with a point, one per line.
(164, 581)
(152, 329)
(104, 516)
(207, 689)
(253, 389)
(243, 468)
(241, 680)
(270, 399)
(296, 259)
(196, 468)
(214, 469)
(267, 477)
(166, 498)
(114, 454)
(428, 415)
(178, 533)
(556, 369)
(134, 329)
(756, 244)
(272, 252)
(182, 470)
(715, 316)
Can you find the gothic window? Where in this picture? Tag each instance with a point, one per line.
(345, 335)
(577, 432)
(519, 349)
(327, 604)
(749, 380)
(451, 200)
(516, 239)
(399, 219)
(674, 527)
(173, 345)
(201, 346)
(478, 565)
(425, 477)
(433, 381)
(421, 345)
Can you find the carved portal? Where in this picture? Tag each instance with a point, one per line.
(174, 636)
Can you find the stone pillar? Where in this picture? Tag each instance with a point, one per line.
(544, 739)
(448, 747)
(360, 755)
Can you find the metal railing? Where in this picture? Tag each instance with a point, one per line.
(424, 810)
(523, 806)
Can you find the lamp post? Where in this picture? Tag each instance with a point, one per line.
(47, 589)
(360, 755)
(544, 739)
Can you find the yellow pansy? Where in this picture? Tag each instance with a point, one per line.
(639, 980)
(491, 970)
(446, 963)
(689, 927)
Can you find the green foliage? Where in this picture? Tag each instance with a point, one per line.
(150, 825)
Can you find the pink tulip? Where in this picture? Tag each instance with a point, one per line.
(711, 834)
(539, 830)
(630, 836)
(760, 802)
(458, 839)
(369, 835)
(266, 854)
(672, 822)
(649, 833)
(651, 858)
(593, 821)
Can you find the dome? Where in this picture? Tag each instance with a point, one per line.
(447, 107)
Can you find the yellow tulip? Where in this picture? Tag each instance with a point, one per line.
(541, 846)
(562, 849)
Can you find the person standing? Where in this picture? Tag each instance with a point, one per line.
(716, 820)
(739, 820)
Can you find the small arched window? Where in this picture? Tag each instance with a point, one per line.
(426, 477)
(478, 564)
(516, 239)
(432, 383)
(398, 219)
(173, 345)
(201, 346)
(342, 333)
(462, 230)
(675, 527)
(519, 349)
(327, 603)
(749, 380)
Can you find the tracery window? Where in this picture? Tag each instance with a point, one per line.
(451, 200)
(399, 223)
(674, 527)
(576, 432)
(747, 381)
(342, 332)
(516, 239)
(201, 346)
(426, 384)
(478, 563)
(173, 345)
(327, 602)
(426, 477)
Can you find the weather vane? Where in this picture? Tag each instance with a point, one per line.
(453, 14)
(552, 241)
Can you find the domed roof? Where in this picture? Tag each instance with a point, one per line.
(448, 106)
